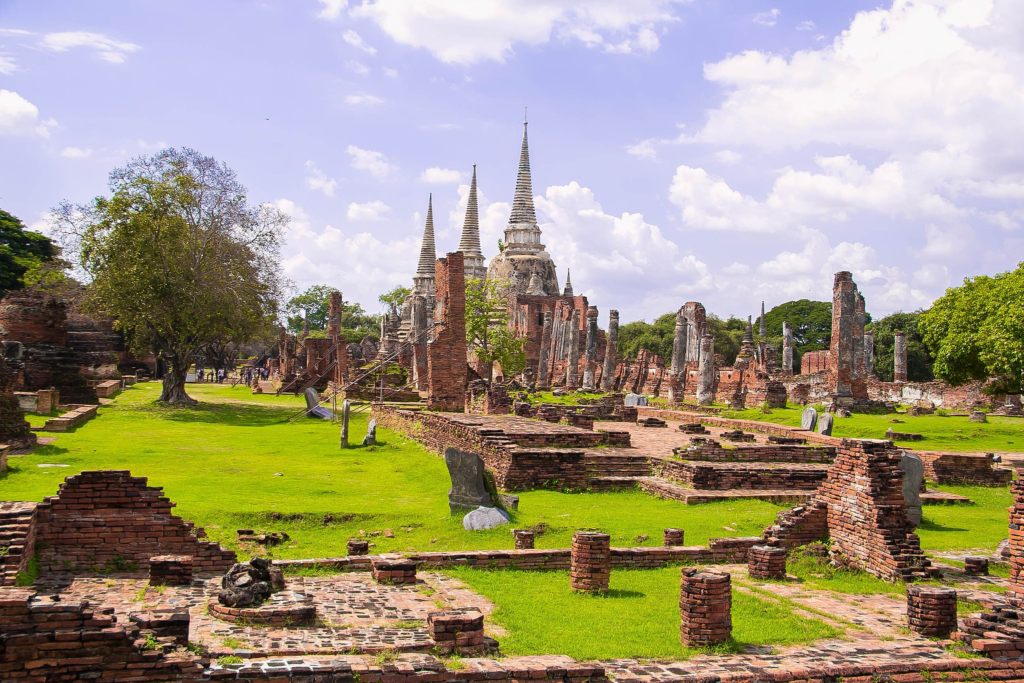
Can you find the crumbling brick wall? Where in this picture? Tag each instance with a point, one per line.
(447, 370)
(109, 519)
(976, 469)
(17, 539)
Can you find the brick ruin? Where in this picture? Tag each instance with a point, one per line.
(15, 431)
(447, 372)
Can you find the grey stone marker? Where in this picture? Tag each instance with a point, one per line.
(371, 434)
(313, 405)
(809, 418)
(484, 518)
(346, 407)
(825, 424)
(913, 475)
(468, 491)
(635, 400)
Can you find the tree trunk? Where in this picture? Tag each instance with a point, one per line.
(174, 383)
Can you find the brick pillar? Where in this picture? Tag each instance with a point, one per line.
(459, 630)
(706, 371)
(447, 369)
(766, 562)
(705, 608)
(524, 539)
(590, 349)
(1015, 548)
(357, 547)
(841, 354)
(931, 610)
(976, 566)
(545, 348)
(787, 349)
(679, 345)
(572, 370)
(899, 356)
(610, 352)
(869, 353)
(334, 316)
(674, 537)
(394, 569)
(591, 566)
(170, 570)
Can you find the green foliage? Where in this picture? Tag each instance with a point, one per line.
(394, 299)
(314, 306)
(21, 250)
(976, 331)
(487, 326)
(228, 660)
(29, 576)
(178, 258)
(811, 322)
(656, 338)
(919, 362)
(728, 336)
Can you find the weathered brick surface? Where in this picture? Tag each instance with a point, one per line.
(15, 430)
(393, 569)
(457, 630)
(976, 469)
(726, 476)
(766, 562)
(357, 547)
(714, 451)
(591, 566)
(524, 539)
(17, 538)
(931, 610)
(170, 570)
(447, 371)
(106, 519)
(673, 537)
(976, 566)
(705, 608)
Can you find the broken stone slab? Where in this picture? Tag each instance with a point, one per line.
(371, 434)
(484, 518)
(313, 407)
(469, 490)
(913, 476)
(978, 416)
(808, 418)
(902, 436)
(635, 400)
(825, 424)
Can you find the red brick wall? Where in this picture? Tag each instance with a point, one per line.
(963, 468)
(446, 355)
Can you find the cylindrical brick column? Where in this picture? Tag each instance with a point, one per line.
(357, 547)
(591, 565)
(524, 539)
(931, 610)
(766, 562)
(674, 537)
(976, 566)
(705, 608)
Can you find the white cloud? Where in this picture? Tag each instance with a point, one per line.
(107, 49)
(374, 163)
(363, 98)
(18, 116)
(357, 67)
(644, 149)
(441, 175)
(75, 152)
(7, 65)
(767, 18)
(390, 73)
(356, 41)
(318, 180)
(332, 9)
(805, 26)
(471, 32)
(727, 156)
(370, 211)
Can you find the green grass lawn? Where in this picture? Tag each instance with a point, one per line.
(218, 462)
(957, 434)
(638, 618)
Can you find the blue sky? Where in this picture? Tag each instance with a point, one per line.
(723, 152)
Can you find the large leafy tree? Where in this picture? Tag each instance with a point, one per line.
(811, 322)
(21, 251)
(919, 362)
(178, 258)
(487, 327)
(976, 331)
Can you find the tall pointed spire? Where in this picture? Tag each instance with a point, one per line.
(748, 334)
(764, 326)
(522, 202)
(428, 253)
(469, 245)
(568, 284)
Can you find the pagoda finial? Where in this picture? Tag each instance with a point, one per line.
(522, 202)
(470, 242)
(568, 284)
(764, 326)
(428, 253)
(748, 334)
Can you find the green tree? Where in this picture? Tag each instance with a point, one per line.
(315, 303)
(656, 337)
(394, 299)
(21, 251)
(811, 322)
(177, 258)
(976, 331)
(728, 335)
(919, 361)
(488, 332)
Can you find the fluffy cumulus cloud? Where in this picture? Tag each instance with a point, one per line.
(374, 163)
(441, 175)
(318, 180)
(472, 32)
(316, 253)
(368, 212)
(107, 49)
(18, 116)
(75, 153)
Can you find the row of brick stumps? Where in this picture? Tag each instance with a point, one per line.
(591, 566)
(674, 537)
(705, 608)
(931, 610)
(766, 562)
(457, 630)
(524, 539)
(170, 570)
(393, 570)
(358, 548)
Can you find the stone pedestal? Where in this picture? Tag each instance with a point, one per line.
(356, 547)
(393, 570)
(457, 630)
(591, 566)
(170, 570)
(976, 566)
(931, 610)
(524, 539)
(766, 562)
(674, 537)
(705, 608)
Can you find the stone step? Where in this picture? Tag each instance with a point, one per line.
(663, 488)
(932, 497)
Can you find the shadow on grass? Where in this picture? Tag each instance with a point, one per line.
(240, 415)
(929, 525)
(619, 593)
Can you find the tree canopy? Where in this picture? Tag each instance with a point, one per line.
(314, 305)
(811, 322)
(919, 361)
(976, 331)
(395, 298)
(178, 258)
(487, 327)
(21, 251)
(659, 336)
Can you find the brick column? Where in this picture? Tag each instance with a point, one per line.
(931, 610)
(524, 539)
(591, 562)
(976, 566)
(705, 608)
(170, 570)
(674, 537)
(766, 562)
(357, 547)
(1015, 548)
(393, 570)
(457, 629)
